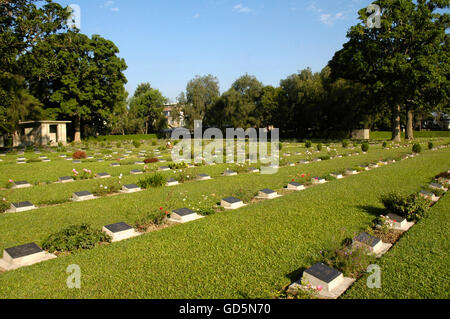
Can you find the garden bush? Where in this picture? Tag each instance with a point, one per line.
(151, 219)
(344, 143)
(365, 147)
(417, 148)
(430, 145)
(384, 144)
(75, 238)
(325, 157)
(107, 187)
(79, 155)
(413, 207)
(4, 205)
(136, 144)
(156, 180)
(151, 160)
(319, 147)
(308, 144)
(181, 165)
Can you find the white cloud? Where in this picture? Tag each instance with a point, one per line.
(197, 15)
(108, 4)
(241, 9)
(330, 19)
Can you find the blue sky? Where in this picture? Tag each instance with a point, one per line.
(168, 42)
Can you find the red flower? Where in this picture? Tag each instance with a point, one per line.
(167, 213)
(161, 208)
(303, 175)
(293, 180)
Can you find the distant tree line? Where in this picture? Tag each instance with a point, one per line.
(385, 77)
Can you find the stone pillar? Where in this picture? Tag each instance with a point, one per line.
(2, 141)
(63, 136)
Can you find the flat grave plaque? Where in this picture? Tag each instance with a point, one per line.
(267, 194)
(66, 179)
(120, 231)
(21, 207)
(136, 172)
(322, 275)
(203, 177)
(131, 188)
(82, 196)
(365, 240)
(231, 203)
(184, 215)
(103, 175)
(295, 186)
(21, 184)
(172, 182)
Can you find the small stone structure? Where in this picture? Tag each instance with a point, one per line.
(41, 133)
(363, 134)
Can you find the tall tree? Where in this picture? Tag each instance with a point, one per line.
(148, 106)
(202, 92)
(22, 26)
(400, 60)
(77, 77)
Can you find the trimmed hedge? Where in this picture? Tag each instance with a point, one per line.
(424, 134)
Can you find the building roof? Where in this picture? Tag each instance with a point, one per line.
(45, 122)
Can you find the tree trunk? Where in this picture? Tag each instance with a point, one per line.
(396, 130)
(410, 125)
(77, 124)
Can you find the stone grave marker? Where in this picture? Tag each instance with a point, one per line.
(103, 175)
(268, 194)
(131, 188)
(22, 256)
(164, 168)
(66, 179)
(172, 182)
(229, 173)
(203, 177)
(21, 184)
(120, 231)
(82, 196)
(136, 172)
(21, 207)
(295, 186)
(184, 215)
(232, 203)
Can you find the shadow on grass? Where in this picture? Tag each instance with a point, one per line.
(296, 274)
(372, 210)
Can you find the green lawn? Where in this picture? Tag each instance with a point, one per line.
(418, 267)
(248, 253)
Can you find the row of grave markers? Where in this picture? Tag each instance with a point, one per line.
(132, 188)
(332, 281)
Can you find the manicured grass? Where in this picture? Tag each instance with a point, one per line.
(418, 267)
(249, 253)
(132, 207)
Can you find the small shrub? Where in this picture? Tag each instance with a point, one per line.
(345, 143)
(75, 238)
(181, 165)
(365, 147)
(352, 262)
(184, 176)
(85, 174)
(136, 144)
(308, 144)
(106, 187)
(151, 219)
(325, 157)
(154, 143)
(417, 148)
(156, 180)
(79, 155)
(384, 144)
(319, 147)
(413, 207)
(4, 205)
(430, 145)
